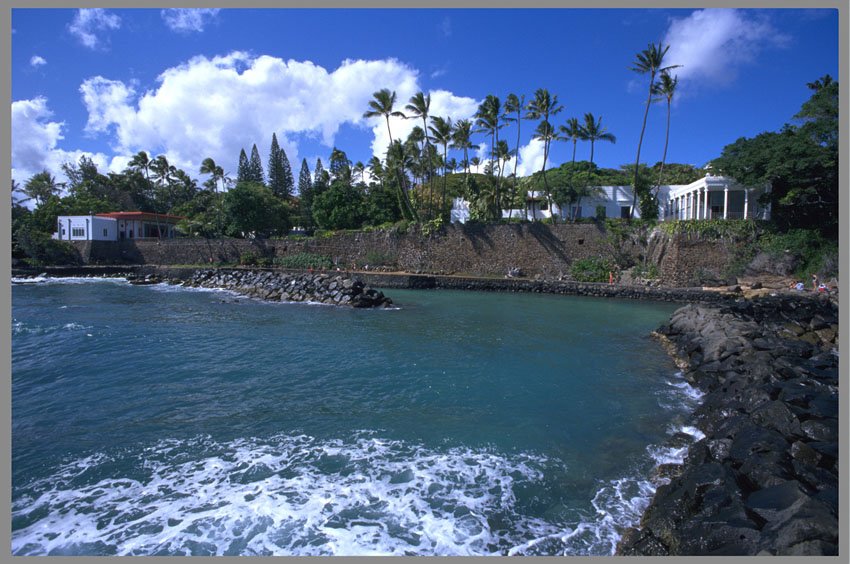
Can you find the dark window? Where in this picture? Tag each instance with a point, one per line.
(625, 212)
(78, 232)
(104, 232)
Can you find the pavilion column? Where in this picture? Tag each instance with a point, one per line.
(746, 202)
(699, 205)
(725, 202)
(705, 205)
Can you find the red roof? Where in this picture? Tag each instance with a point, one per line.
(142, 216)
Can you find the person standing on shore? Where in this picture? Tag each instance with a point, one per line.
(814, 282)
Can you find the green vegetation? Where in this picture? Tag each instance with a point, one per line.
(594, 269)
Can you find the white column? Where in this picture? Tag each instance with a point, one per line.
(699, 204)
(705, 205)
(725, 202)
(746, 202)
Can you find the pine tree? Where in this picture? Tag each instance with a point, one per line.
(280, 173)
(243, 172)
(321, 178)
(304, 182)
(288, 179)
(255, 166)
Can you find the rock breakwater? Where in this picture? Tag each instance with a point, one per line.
(278, 286)
(764, 479)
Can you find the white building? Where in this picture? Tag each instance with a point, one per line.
(115, 226)
(86, 228)
(710, 197)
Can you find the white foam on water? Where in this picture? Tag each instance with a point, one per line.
(68, 280)
(292, 495)
(23, 328)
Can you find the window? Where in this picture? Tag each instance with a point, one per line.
(63, 231)
(105, 233)
(625, 212)
(78, 232)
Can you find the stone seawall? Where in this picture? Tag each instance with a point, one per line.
(282, 287)
(764, 478)
(478, 250)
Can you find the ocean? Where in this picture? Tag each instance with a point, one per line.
(161, 420)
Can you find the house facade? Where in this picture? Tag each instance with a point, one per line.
(710, 197)
(116, 226)
(86, 228)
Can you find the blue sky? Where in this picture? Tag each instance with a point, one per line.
(196, 84)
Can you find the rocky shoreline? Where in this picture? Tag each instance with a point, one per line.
(282, 287)
(764, 478)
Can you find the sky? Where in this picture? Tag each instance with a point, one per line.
(192, 84)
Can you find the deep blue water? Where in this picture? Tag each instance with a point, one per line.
(164, 420)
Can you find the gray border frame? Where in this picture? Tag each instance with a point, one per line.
(844, 223)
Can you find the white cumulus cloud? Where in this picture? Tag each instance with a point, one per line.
(531, 158)
(35, 140)
(188, 19)
(713, 44)
(37, 61)
(88, 22)
(213, 107)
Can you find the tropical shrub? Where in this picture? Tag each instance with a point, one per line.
(595, 269)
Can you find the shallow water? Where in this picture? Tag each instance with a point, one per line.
(164, 420)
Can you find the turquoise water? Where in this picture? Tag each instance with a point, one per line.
(163, 420)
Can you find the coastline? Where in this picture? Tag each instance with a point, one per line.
(760, 476)
(763, 480)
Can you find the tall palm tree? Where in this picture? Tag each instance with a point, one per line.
(420, 106)
(572, 131)
(542, 107)
(142, 163)
(650, 61)
(360, 169)
(441, 129)
(665, 89)
(503, 155)
(476, 162)
(376, 169)
(487, 120)
(40, 187)
(161, 169)
(382, 105)
(593, 131)
(462, 139)
(514, 105)
(216, 173)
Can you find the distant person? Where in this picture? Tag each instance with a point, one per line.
(815, 282)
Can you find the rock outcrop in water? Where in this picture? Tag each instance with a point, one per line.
(764, 480)
(278, 286)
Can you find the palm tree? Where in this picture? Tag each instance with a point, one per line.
(542, 107)
(142, 163)
(665, 89)
(476, 162)
(487, 120)
(359, 168)
(503, 155)
(382, 105)
(441, 129)
(648, 61)
(40, 187)
(593, 132)
(216, 173)
(376, 169)
(419, 106)
(572, 131)
(462, 139)
(161, 169)
(514, 105)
